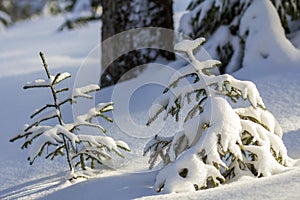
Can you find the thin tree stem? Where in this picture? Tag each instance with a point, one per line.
(57, 107)
(45, 64)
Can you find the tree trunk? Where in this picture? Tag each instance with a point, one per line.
(135, 47)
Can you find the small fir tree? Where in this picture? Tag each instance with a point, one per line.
(217, 142)
(65, 138)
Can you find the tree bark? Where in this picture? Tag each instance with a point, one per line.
(124, 15)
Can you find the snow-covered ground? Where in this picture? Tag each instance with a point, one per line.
(66, 51)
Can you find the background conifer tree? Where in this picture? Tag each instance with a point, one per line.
(219, 21)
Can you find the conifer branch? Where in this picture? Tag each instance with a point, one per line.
(20, 136)
(55, 79)
(193, 111)
(104, 117)
(45, 65)
(42, 109)
(175, 83)
(58, 151)
(41, 120)
(35, 86)
(70, 100)
(62, 90)
(60, 77)
(89, 156)
(91, 125)
(31, 160)
(29, 141)
(156, 147)
(152, 119)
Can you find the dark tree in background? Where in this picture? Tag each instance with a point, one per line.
(222, 19)
(12, 11)
(123, 15)
(77, 13)
(19, 10)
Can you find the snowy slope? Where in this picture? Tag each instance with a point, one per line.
(19, 63)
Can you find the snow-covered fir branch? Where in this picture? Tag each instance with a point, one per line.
(216, 142)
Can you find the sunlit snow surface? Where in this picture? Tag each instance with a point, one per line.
(65, 51)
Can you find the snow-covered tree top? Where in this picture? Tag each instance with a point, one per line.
(188, 45)
(48, 82)
(212, 85)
